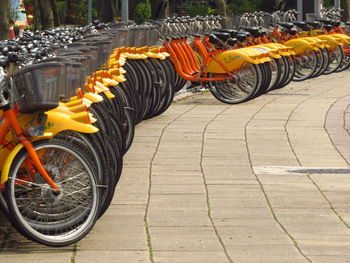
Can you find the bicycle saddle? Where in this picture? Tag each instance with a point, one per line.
(213, 39)
(313, 24)
(222, 36)
(242, 36)
(231, 32)
(347, 23)
(286, 25)
(325, 21)
(335, 23)
(232, 41)
(328, 27)
(292, 32)
(255, 32)
(301, 25)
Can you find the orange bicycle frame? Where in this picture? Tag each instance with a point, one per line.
(10, 122)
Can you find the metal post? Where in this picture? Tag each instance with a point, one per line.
(125, 10)
(89, 11)
(300, 10)
(317, 7)
(337, 3)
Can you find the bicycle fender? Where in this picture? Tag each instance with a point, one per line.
(261, 55)
(59, 121)
(7, 164)
(232, 60)
(318, 42)
(300, 46)
(95, 98)
(154, 55)
(165, 54)
(343, 37)
(331, 41)
(281, 49)
(273, 52)
(284, 51)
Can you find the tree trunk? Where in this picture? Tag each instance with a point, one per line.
(36, 14)
(56, 18)
(345, 4)
(46, 14)
(70, 19)
(221, 7)
(4, 19)
(160, 9)
(132, 6)
(107, 11)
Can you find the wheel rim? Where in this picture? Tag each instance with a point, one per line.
(62, 218)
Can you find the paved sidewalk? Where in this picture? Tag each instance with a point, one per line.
(264, 181)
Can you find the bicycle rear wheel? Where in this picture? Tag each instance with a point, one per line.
(45, 217)
(237, 91)
(336, 57)
(305, 65)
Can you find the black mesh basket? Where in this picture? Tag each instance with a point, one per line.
(73, 79)
(84, 69)
(154, 35)
(142, 36)
(63, 95)
(38, 86)
(123, 37)
(132, 37)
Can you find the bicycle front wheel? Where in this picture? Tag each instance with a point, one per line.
(40, 214)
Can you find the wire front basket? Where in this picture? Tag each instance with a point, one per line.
(38, 86)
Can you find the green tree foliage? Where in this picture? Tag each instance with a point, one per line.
(242, 6)
(328, 3)
(200, 10)
(143, 11)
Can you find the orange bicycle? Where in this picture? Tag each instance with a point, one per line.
(48, 187)
(232, 76)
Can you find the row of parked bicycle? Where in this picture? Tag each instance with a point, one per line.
(237, 66)
(69, 101)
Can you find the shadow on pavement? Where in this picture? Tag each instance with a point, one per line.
(11, 242)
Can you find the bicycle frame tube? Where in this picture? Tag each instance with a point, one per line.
(10, 121)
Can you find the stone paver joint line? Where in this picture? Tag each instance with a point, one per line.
(263, 189)
(149, 241)
(206, 187)
(300, 163)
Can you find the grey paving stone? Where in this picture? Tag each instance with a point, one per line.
(102, 256)
(265, 253)
(178, 202)
(184, 239)
(230, 203)
(30, 257)
(333, 258)
(189, 257)
(179, 218)
(242, 213)
(188, 189)
(295, 201)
